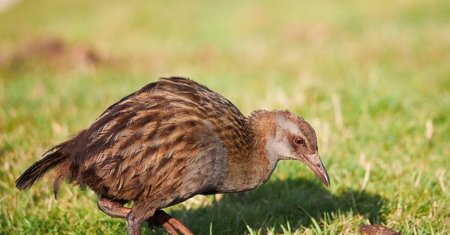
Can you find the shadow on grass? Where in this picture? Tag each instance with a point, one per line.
(277, 203)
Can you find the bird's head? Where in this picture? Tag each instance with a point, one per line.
(292, 138)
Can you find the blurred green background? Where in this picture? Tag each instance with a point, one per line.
(373, 79)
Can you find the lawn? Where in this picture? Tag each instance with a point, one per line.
(373, 79)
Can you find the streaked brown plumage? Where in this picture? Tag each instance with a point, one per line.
(169, 141)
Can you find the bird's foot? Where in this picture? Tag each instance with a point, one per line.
(169, 223)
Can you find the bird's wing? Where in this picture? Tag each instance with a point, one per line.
(152, 137)
(161, 155)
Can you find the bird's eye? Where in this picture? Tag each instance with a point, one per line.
(299, 141)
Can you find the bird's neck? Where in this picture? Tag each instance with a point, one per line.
(254, 166)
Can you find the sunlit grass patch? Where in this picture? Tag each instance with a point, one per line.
(372, 78)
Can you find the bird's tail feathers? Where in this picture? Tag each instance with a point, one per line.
(50, 160)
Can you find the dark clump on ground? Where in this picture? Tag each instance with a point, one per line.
(376, 229)
(52, 53)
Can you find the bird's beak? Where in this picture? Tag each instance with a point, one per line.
(315, 164)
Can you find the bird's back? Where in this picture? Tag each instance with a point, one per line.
(173, 135)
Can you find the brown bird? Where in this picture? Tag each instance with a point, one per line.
(169, 141)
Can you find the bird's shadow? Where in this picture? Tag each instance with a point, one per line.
(297, 202)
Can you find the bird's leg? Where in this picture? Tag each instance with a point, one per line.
(140, 212)
(167, 221)
(159, 221)
(116, 209)
(134, 224)
(113, 208)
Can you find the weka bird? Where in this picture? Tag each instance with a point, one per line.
(169, 141)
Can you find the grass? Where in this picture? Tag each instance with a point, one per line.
(372, 78)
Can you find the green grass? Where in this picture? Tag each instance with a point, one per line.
(369, 76)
